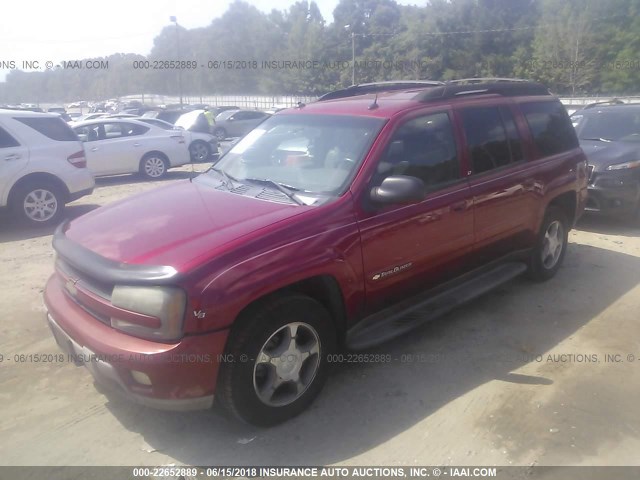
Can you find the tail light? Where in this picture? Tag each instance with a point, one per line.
(78, 159)
(179, 138)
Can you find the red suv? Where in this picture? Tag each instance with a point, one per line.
(338, 224)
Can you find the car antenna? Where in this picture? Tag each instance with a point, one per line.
(374, 105)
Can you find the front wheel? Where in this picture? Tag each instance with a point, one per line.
(154, 166)
(278, 351)
(38, 204)
(551, 245)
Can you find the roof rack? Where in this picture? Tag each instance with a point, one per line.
(365, 88)
(613, 101)
(470, 81)
(504, 87)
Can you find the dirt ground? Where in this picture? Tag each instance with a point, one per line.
(531, 374)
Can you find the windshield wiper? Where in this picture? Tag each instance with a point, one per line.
(288, 190)
(598, 139)
(227, 178)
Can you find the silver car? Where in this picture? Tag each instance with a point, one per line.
(237, 123)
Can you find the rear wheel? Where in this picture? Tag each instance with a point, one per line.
(154, 165)
(551, 245)
(38, 204)
(280, 364)
(200, 151)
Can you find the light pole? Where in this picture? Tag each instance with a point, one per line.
(175, 21)
(353, 55)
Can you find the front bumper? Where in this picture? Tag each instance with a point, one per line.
(183, 375)
(613, 194)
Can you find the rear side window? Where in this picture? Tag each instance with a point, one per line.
(550, 127)
(6, 140)
(492, 138)
(54, 128)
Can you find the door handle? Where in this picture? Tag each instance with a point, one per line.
(13, 156)
(136, 144)
(459, 207)
(94, 149)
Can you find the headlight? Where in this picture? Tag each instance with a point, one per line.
(623, 166)
(164, 303)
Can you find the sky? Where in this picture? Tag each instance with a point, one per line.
(75, 29)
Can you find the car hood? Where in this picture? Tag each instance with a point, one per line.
(180, 225)
(602, 154)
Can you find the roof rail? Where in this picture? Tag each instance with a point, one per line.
(505, 88)
(365, 88)
(470, 81)
(613, 101)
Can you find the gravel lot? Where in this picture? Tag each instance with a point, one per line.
(518, 377)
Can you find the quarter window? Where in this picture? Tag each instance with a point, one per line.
(6, 140)
(550, 127)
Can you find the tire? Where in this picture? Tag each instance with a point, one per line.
(38, 204)
(280, 378)
(154, 165)
(551, 245)
(220, 134)
(199, 151)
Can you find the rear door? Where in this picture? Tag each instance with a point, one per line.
(408, 248)
(13, 159)
(501, 180)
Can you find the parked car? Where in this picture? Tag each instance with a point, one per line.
(609, 133)
(42, 166)
(115, 146)
(89, 116)
(170, 116)
(344, 222)
(202, 146)
(236, 123)
(194, 121)
(74, 115)
(56, 110)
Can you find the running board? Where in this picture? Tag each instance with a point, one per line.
(398, 320)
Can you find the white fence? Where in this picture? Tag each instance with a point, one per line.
(259, 102)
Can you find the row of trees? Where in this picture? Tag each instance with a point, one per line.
(573, 46)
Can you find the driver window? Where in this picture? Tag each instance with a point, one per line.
(425, 148)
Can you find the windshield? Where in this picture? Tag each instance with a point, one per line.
(310, 153)
(616, 126)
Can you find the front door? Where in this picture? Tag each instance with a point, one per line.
(409, 248)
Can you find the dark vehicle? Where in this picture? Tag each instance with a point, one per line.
(610, 137)
(236, 123)
(170, 116)
(339, 224)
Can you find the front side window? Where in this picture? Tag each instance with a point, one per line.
(425, 148)
(310, 153)
(550, 127)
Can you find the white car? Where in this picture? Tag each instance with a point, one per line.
(42, 166)
(202, 146)
(115, 146)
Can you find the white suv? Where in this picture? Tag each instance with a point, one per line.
(42, 166)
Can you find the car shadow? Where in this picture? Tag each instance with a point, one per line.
(11, 229)
(607, 225)
(366, 404)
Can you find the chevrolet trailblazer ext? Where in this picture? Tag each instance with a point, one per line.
(342, 223)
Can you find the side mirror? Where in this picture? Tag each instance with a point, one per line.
(399, 189)
(230, 119)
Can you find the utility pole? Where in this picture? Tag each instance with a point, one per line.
(175, 20)
(353, 58)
